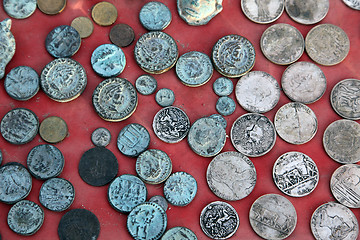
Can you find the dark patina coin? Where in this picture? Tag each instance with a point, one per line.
(63, 42)
(101, 137)
(165, 97)
(98, 166)
(180, 189)
(159, 200)
(133, 139)
(225, 106)
(19, 9)
(53, 129)
(179, 233)
(155, 16)
(146, 84)
(79, 224)
(122, 35)
(108, 60)
(223, 86)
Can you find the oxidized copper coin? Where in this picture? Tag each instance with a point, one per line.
(104, 13)
(53, 129)
(83, 25)
(122, 35)
(51, 7)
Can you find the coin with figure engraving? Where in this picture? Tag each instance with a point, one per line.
(133, 139)
(146, 84)
(51, 7)
(354, 4)
(155, 16)
(159, 200)
(262, 11)
(108, 60)
(179, 233)
(221, 120)
(104, 13)
(165, 97)
(83, 25)
(225, 106)
(180, 189)
(63, 42)
(198, 12)
(101, 137)
(53, 129)
(122, 35)
(307, 12)
(19, 9)
(223, 86)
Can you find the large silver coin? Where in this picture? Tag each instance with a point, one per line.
(345, 98)
(344, 185)
(342, 141)
(262, 11)
(257, 91)
(19, 9)
(296, 123)
(334, 221)
(253, 134)
(307, 12)
(272, 216)
(354, 4)
(282, 44)
(7, 44)
(327, 44)
(231, 176)
(295, 174)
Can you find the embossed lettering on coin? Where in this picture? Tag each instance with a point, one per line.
(155, 16)
(63, 42)
(307, 12)
(199, 12)
(180, 189)
(261, 11)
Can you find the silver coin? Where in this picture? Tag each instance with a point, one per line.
(231, 176)
(179, 233)
(344, 185)
(253, 134)
(262, 11)
(180, 189)
(19, 9)
(8, 45)
(341, 141)
(272, 216)
(63, 79)
(307, 12)
(303, 82)
(155, 16)
(146, 84)
(171, 124)
(223, 86)
(159, 200)
(295, 174)
(257, 91)
(108, 60)
(327, 44)
(354, 4)
(133, 139)
(225, 106)
(199, 12)
(101, 137)
(63, 42)
(344, 98)
(282, 44)
(206, 137)
(334, 221)
(165, 97)
(296, 123)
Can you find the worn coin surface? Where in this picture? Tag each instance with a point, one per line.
(327, 44)
(334, 221)
(179, 233)
(223, 86)
(108, 60)
(51, 7)
(53, 129)
(83, 25)
(354, 4)
(180, 189)
(165, 97)
(122, 35)
(155, 16)
(262, 11)
(225, 106)
(233, 56)
(253, 134)
(307, 12)
(8, 45)
(198, 12)
(171, 124)
(231, 176)
(19, 9)
(146, 84)
(1, 157)
(296, 123)
(133, 139)
(101, 137)
(344, 98)
(341, 141)
(159, 200)
(219, 220)
(104, 13)
(63, 42)
(221, 120)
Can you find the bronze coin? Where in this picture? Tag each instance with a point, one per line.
(83, 25)
(51, 7)
(104, 13)
(122, 35)
(53, 129)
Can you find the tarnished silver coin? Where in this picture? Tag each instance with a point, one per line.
(221, 120)
(165, 97)
(223, 86)
(354, 4)
(341, 141)
(307, 12)
(19, 9)
(179, 233)
(262, 11)
(327, 44)
(296, 123)
(206, 137)
(115, 99)
(156, 52)
(233, 56)
(344, 185)
(231, 176)
(303, 82)
(63, 79)
(133, 139)
(171, 124)
(7, 44)
(146, 84)
(272, 216)
(19, 126)
(101, 137)
(219, 220)
(253, 134)
(199, 12)
(295, 174)
(180, 189)
(334, 221)
(257, 91)
(282, 44)
(63, 42)
(344, 98)
(155, 16)
(108, 60)
(159, 200)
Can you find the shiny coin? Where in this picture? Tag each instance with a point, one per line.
(53, 129)
(101, 137)
(19, 9)
(257, 91)
(262, 11)
(83, 25)
(282, 44)
(104, 13)
(219, 220)
(272, 216)
(233, 56)
(180, 189)
(221, 120)
(225, 106)
(7, 45)
(159, 200)
(133, 139)
(327, 44)
(354, 4)
(108, 60)
(341, 141)
(122, 35)
(146, 84)
(223, 86)
(51, 7)
(231, 176)
(253, 134)
(200, 12)
(155, 16)
(307, 12)
(296, 123)
(344, 98)
(179, 233)
(334, 221)
(115, 99)
(171, 124)
(165, 97)
(63, 42)
(295, 174)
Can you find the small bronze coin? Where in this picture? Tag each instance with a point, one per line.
(122, 35)
(53, 129)
(51, 7)
(104, 13)
(83, 25)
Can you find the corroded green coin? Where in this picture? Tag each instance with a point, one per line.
(180, 189)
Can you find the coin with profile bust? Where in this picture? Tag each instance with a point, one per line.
(104, 13)
(146, 84)
(354, 4)
(198, 12)
(155, 16)
(51, 7)
(180, 189)
(165, 97)
(101, 137)
(19, 9)
(223, 86)
(262, 11)
(307, 12)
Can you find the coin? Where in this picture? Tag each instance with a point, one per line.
(165, 97)
(133, 139)
(233, 56)
(199, 12)
(344, 97)
(303, 82)
(155, 16)
(327, 44)
(231, 176)
(7, 44)
(180, 189)
(253, 134)
(171, 124)
(262, 11)
(146, 84)
(51, 7)
(63, 42)
(219, 220)
(108, 60)
(101, 137)
(223, 86)
(179, 233)
(19, 9)
(341, 142)
(307, 12)
(1, 157)
(295, 123)
(221, 120)
(354, 4)
(225, 106)
(83, 25)
(272, 216)
(333, 220)
(122, 35)
(104, 13)
(257, 91)
(53, 129)
(282, 44)
(159, 200)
